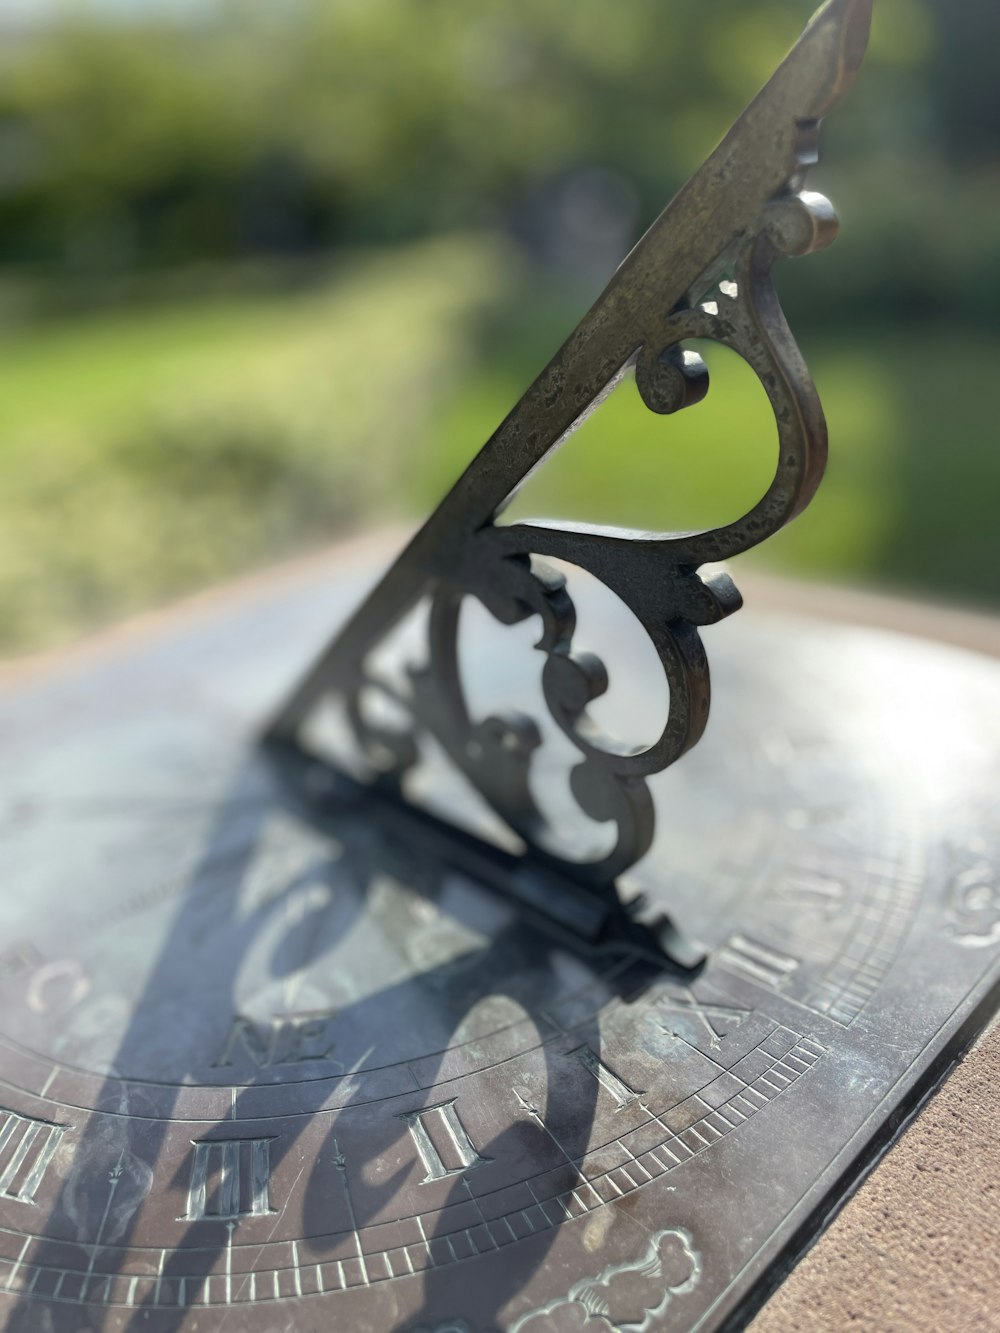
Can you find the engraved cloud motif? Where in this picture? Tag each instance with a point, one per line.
(974, 906)
(624, 1298)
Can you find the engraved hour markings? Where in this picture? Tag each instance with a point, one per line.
(241, 1170)
(717, 1020)
(114, 1178)
(340, 1162)
(758, 961)
(608, 1079)
(808, 889)
(26, 1149)
(442, 1141)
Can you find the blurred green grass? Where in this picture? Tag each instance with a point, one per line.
(151, 451)
(909, 499)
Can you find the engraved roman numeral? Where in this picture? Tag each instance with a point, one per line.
(26, 1148)
(442, 1141)
(808, 889)
(757, 961)
(608, 1079)
(706, 1018)
(229, 1178)
(286, 1039)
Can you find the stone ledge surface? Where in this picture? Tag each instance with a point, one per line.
(918, 1246)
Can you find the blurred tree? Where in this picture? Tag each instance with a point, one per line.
(262, 128)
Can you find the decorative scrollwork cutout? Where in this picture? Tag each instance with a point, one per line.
(703, 271)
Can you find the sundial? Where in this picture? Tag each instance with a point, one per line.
(403, 1011)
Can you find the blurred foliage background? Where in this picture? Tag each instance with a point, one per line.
(270, 272)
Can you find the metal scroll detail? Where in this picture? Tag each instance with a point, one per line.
(655, 576)
(703, 271)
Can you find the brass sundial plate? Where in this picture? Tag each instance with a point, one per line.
(255, 1072)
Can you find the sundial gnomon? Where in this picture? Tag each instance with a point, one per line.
(272, 1053)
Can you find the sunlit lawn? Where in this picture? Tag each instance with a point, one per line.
(910, 498)
(143, 454)
(146, 453)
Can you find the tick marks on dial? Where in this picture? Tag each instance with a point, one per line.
(12, 1275)
(483, 1222)
(340, 1162)
(241, 1169)
(114, 1177)
(526, 1103)
(688, 1130)
(442, 1141)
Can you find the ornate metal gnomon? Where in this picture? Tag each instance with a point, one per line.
(702, 271)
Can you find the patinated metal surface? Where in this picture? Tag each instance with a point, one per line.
(702, 271)
(276, 1053)
(223, 1023)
